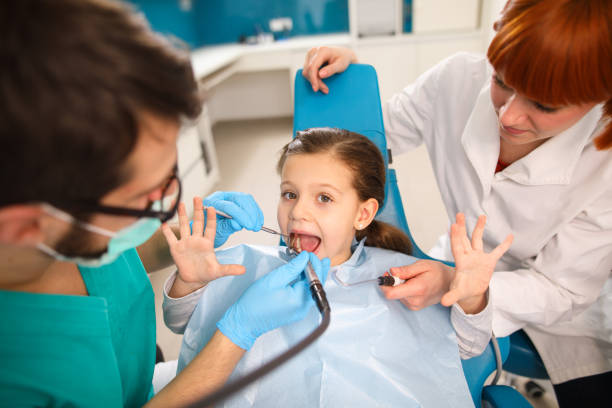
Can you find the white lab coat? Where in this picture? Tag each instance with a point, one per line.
(557, 201)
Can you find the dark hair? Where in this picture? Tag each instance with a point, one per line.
(558, 52)
(75, 77)
(367, 166)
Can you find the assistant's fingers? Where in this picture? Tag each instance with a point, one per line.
(323, 87)
(211, 224)
(501, 249)
(183, 221)
(335, 65)
(314, 63)
(463, 230)
(457, 242)
(169, 234)
(307, 70)
(478, 232)
(411, 288)
(410, 271)
(197, 227)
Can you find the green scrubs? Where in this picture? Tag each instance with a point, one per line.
(82, 351)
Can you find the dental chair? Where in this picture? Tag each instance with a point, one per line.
(354, 104)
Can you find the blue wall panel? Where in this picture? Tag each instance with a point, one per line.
(224, 21)
(166, 17)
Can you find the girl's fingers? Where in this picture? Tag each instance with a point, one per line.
(232, 269)
(211, 224)
(450, 298)
(198, 217)
(478, 232)
(170, 237)
(501, 249)
(183, 221)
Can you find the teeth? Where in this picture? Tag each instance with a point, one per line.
(296, 243)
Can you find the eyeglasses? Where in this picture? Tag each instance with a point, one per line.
(172, 202)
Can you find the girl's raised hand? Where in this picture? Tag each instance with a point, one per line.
(193, 252)
(473, 266)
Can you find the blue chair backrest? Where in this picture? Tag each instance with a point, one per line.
(353, 103)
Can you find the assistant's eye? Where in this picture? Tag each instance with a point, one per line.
(288, 195)
(324, 198)
(544, 108)
(501, 83)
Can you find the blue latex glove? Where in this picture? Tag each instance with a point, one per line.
(242, 207)
(279, 298)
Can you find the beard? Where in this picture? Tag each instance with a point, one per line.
(78, 243)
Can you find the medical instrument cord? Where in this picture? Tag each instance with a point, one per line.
(320, 298)
(498, 359)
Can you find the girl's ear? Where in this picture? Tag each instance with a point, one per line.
(366, 213)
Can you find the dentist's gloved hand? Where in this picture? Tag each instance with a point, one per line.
(242, 207)
(279, 298)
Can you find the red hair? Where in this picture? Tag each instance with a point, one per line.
(557, 52)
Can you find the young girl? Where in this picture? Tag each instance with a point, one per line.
(375, 352)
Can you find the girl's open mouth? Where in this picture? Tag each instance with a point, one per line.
(304, 242)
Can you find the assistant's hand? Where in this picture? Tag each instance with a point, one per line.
(426, 282)
(337, 59)
(193, 252)
(473, 266)
(281, 297)
(241, 207)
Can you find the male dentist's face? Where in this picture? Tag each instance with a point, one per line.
(147, 170)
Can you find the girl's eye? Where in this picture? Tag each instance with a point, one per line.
(288, 195)
(324, 198)
(544, 108)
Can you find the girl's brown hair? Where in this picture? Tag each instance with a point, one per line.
(367, 167)
(557, 52)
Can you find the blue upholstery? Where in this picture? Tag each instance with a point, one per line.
(523, 358)
(354, 104)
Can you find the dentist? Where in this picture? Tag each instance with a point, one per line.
(90, 109)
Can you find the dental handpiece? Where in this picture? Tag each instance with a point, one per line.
(316, 289)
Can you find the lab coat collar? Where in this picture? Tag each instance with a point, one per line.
(551, 163)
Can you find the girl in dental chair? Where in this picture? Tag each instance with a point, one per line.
(375, 352)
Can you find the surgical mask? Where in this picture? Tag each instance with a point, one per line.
(120, 241)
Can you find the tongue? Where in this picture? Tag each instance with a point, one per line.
(309, 243)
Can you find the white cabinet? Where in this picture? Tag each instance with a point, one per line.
(197, 160)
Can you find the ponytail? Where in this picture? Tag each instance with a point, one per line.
(382, 235)
(604, 140)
